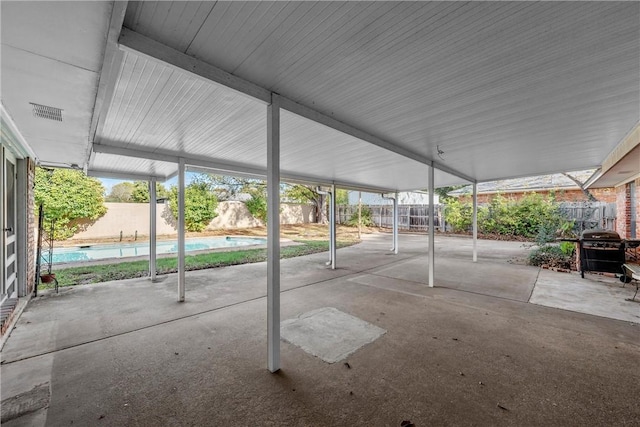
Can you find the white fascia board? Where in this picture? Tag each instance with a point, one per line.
(138, 44)
(16, 141)
(628, 180)
(593, 178)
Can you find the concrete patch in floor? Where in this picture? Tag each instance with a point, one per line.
(329, 334)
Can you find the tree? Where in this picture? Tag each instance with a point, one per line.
(229, 187)
(140, 193)
(590, 197)
(308, 194)
(68, 197)
(257, 205)
(442, 192)
(121, 193)
(135, 192)
(200, 205)
(342, 196)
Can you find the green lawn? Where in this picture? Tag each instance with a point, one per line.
(131, 269)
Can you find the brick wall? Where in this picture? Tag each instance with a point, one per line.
(623, 208)
(31, 227)
(637, 208)
(607, 195)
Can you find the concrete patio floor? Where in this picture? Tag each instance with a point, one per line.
(472, 351)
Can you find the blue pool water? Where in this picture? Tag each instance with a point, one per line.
(98, 252)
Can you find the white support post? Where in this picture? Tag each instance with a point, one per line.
(152, 229)
(475, 222)
(181, 249)
(359, 215)
(395, 224)
(332, 226)
(273, 234)
(432, 258)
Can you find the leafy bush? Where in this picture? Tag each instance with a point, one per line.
(459, 215)
(568, 248)
(551, 255)
(70, 200)
(200, 205)
(532, 217)
(257, 205)
(365, 218)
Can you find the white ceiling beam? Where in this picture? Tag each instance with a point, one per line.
(214, 166)
(313, 115)
(138, 44)
(110, 69)
(124, 175)
(129, 152)
(453, 172)
(175, 158)
(315, 181)
(323, 119)
(151, 49)
(203, 169)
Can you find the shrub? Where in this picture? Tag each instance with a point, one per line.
(70, 200)
(257, 205)
(567, 248)
(551, 255)
(459, 215)
(365, 217)
(532, 217)
(200, 205)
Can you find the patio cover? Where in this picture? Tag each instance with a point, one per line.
(362, 95)
(372, 92)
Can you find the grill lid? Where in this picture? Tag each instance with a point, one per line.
(600, 235)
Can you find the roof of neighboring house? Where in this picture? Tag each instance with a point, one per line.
(404, 198)
(556, 181)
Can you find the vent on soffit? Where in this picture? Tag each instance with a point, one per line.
(45, 112)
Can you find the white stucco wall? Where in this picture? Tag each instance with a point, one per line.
(131, 217)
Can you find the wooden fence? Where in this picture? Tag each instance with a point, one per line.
(589, 215)
(410, 217)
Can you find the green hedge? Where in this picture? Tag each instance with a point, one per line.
(533, 217)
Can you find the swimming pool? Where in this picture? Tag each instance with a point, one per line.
(98, 252)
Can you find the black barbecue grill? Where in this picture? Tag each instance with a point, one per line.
(601, 251)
